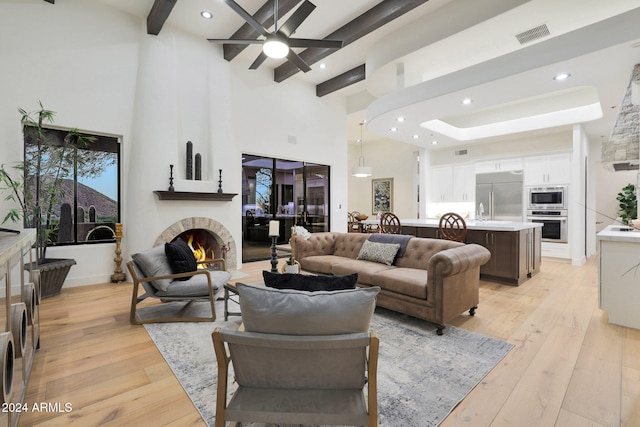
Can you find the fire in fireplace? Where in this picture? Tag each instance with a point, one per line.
(202, 243)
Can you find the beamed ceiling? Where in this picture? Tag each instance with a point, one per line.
(418, 58)
(371, 20)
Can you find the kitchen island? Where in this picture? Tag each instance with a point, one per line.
(619, 274)
(515, 246)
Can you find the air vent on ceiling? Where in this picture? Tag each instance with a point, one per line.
(533, 34)
(461, 152)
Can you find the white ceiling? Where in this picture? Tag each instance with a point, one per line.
(446, 56)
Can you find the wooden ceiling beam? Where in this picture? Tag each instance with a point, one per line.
(158, 14)
(382, 13)
(345, 79)
(264, 15)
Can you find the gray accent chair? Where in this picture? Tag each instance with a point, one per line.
(151, 271)
(322, 370)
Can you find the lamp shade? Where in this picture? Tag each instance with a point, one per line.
(361, 171)
(273, 47)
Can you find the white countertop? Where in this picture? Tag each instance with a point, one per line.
(620, 233)
(473, 224)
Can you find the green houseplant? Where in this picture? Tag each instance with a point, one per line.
(41, 188)
(628, 203)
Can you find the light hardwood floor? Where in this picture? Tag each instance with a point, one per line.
(569, 367)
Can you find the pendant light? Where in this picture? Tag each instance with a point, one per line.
(361, 171)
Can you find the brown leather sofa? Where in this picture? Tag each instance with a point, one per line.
(434, 280)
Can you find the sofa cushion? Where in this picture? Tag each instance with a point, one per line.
(383, 253)
(322, 263)
(153, 262)
(365, 269)
(407, 281)
(196, 285)
(180, 256)
(311, 283)
(291, 312)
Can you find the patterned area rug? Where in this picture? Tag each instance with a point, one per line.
(421, 376)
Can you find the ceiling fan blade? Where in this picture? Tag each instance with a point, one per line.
(247, 17)
(329, 44)
(259, 60)
(294, 21)
(236, 41)
(293, 57)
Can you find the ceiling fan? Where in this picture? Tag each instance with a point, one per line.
(278, 44)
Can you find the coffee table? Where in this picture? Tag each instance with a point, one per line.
(230, 293)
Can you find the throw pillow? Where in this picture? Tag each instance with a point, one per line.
(383, 253)
(181, 258)
(303, 282)
(153, 262)
(290, 312)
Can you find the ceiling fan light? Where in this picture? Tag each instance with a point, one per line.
(275, 48)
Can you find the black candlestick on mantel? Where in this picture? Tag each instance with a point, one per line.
(170, 177)
(189, 160)
(220, 182)
(198, 176)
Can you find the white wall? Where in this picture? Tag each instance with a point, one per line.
(388, 159)
(100, 71)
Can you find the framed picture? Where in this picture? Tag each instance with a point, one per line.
(382, 195)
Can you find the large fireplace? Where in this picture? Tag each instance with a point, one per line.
(207, 237)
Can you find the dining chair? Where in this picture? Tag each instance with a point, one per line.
(452, 227)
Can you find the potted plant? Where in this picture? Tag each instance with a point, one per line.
(41, 189)
(628, 203)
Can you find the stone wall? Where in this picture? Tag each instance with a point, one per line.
(623, 144)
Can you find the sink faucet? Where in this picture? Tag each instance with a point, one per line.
(480, 211)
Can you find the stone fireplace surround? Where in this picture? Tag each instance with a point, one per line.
(219, 232)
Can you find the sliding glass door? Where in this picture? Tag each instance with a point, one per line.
(291, 192)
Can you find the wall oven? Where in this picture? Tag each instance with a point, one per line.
(554, 223)
(547, 197)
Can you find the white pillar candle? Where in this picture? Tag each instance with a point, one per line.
(274, 228)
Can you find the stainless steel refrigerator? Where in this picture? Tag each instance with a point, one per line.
(501, 195)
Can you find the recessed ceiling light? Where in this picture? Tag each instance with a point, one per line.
(393, 129)
(416, 136)
(323, 66)
(206, 14)
(400, 119)
(467, 101)
(561, 76)
(434, 142)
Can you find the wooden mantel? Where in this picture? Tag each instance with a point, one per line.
(194, 195)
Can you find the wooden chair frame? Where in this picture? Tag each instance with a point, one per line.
(452, 227)
(221, 342)
(151, 292)
(390, 223)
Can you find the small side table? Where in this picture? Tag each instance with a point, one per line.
(230, 292)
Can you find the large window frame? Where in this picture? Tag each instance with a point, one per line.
(93, 214)
(290, 191)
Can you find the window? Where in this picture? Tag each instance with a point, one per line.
(89, 199)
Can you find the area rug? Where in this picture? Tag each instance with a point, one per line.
(421, 376)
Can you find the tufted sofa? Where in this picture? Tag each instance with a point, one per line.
(434, 280)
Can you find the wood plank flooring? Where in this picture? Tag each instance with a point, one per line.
(569, 367)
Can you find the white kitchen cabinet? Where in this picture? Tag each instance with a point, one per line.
(453, 184)
(503, 165)
(464, 183)
(548, 170)
(442, 184)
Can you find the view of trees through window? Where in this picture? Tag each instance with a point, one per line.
(86, 207)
